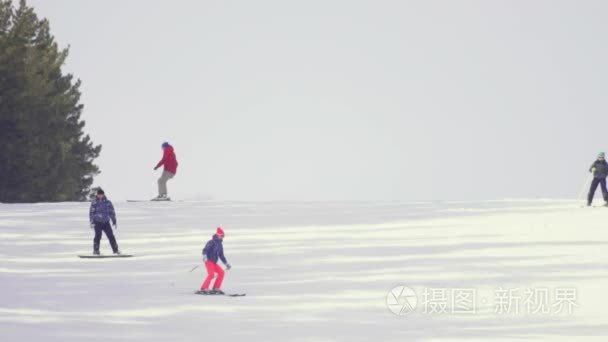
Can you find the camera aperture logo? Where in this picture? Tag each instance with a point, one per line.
(401, 300)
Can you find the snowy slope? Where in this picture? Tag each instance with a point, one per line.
(313, 271)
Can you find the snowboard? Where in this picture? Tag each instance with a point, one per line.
(103, 256)
(593, 206)
(226, 295)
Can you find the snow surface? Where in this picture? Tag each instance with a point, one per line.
(314, 271)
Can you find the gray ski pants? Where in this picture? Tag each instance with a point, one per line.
(162, 182)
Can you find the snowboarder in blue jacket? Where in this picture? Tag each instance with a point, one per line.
(100, 215)
(599, 169)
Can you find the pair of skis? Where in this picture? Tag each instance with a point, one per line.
(219, 294)
(152, 200)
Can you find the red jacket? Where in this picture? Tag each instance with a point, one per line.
(169, 160)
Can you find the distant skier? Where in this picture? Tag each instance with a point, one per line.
(599, 168)
(213, 251)
(170, 169)
(100, 215)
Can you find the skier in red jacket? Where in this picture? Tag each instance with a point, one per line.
(169, 162)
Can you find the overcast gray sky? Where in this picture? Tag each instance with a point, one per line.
(341, 100)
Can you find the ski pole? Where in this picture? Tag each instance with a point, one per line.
(580, 194)
(180, 278)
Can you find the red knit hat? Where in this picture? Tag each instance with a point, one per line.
(219, 231)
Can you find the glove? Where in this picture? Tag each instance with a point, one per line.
(155, 168)
(228, 266)
(92, 225)
(115, 225)
(204, 258)
(592, 170)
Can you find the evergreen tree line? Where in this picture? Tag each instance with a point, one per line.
(44, 153)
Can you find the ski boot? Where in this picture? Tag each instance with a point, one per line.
(96, 249)
(115, 248)
(161, 198)
(217, 292)
(203, 292)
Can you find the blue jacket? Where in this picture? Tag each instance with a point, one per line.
(102, 211)
(214, 249)
(601, 169)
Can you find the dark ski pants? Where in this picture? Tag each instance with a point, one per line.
(106, 228)
(594, 184)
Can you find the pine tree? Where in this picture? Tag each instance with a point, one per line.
(44, 153)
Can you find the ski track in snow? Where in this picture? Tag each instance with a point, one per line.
(312, 271)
